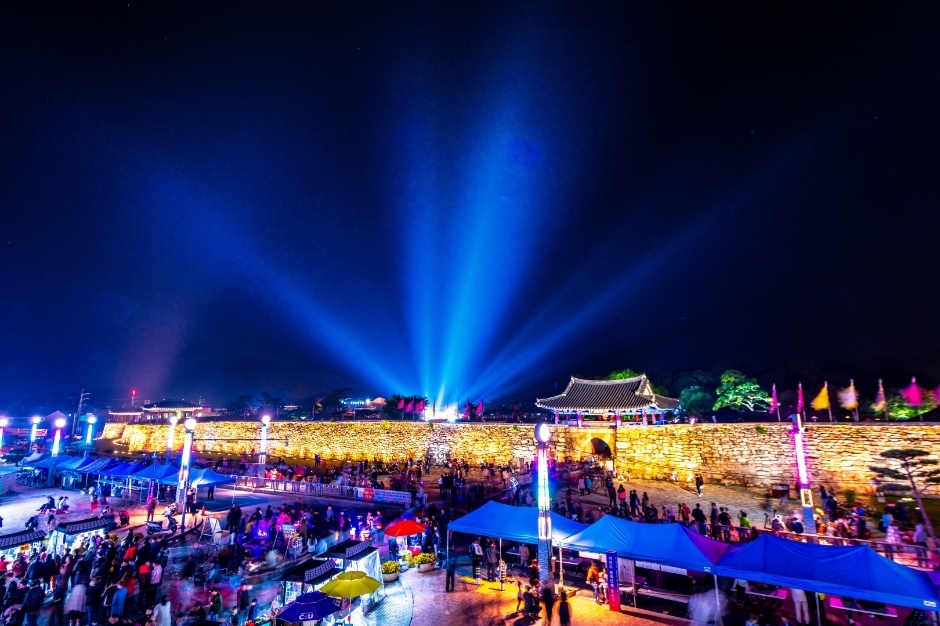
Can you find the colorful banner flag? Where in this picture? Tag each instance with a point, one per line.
(799, 397)
(480, 408)
(401, 404)
(821, 401)
(774, 403)
(880, 401)
(848, 397)
(420, 407)
(410, 407)
(913, 394)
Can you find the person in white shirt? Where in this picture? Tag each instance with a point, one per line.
(162, 613)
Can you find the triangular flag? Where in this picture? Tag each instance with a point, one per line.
(480, 408)
(880, 402)
(799, 397)
(821, 401)
(401, 404)
(774, 404)
(848, 398)
(913, 394)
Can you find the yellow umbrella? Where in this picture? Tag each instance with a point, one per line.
(350, 585)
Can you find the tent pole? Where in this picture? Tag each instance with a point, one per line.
(633, 565)
(717, 602)
(561, 568)
(818, 614)
(502, 579)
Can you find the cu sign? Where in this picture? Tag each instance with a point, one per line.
(368, 493)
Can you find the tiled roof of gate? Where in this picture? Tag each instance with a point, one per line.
(604, 396)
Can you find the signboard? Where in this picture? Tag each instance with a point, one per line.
(368, 494)
(613, 581)
(289, 529)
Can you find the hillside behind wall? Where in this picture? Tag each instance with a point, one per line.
(757, 454)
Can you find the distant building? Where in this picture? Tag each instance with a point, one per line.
(158, 411)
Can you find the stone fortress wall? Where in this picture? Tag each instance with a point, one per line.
(838, 455)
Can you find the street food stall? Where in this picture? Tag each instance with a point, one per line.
(12, 544)
(359, 556)
(308, 576)
(68, 535)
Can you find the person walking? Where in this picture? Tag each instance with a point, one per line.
(476, 554)
(548, 599)
(801, 605)
(492, 561)
(32, 603)
(699, 484)
(564, 610)
(451, 574)
(151, 509)
(75, 604)
(162, 613)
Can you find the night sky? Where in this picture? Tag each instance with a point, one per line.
(461, 199)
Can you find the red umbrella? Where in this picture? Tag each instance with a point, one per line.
(404, 528)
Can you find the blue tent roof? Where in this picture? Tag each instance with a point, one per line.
(156, 472)
(208, 478)
(54, 460)
(92, 468)
(853, 572)
(514, 523)
(126, 469)
(667, 544)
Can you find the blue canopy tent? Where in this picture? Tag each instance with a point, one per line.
(856, 572)
(208, 478)
(126, 470)
(665, 544)
(155, 472)
(514, 523)
(92, 468)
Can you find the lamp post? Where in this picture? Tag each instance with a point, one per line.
(542, 436)
(59, 425)
(190, 426)
(806, 494)
(263, 456)
(4, 422)
(89, 432)
(32, 433)
(169, 438)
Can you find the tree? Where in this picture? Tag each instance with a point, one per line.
(696, 400)
(391, 406)
(738, 392)
(913, 466)
(899, 409)
(623, 374)
(239, 405)
(629, 373)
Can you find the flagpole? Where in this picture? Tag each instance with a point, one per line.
(828, 400)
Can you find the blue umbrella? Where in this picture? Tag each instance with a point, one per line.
(310, 607)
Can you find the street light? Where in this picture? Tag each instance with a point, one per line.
(263, 457)
(32, 433)
(190, 426)
(88, 433)
(59, 425)
(542, 436)
(169, 438)
(4, 422)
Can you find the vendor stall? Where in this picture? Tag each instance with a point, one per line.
(68, 535)
(12, 544)
(359, 556)
(308, 576)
